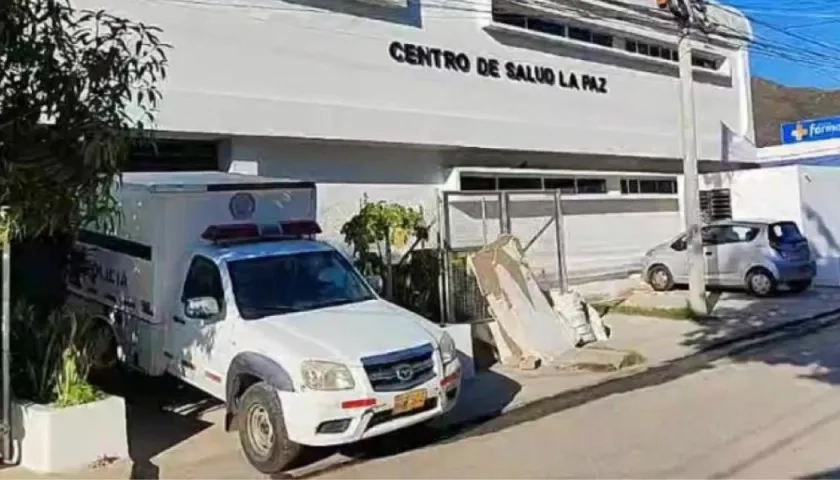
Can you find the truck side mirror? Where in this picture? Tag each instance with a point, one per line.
(376, 282)
(202, 308)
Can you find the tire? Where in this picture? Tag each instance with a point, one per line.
(262, 431)
(660, 278)
(104, 350)
(800, 286)
(761, 283)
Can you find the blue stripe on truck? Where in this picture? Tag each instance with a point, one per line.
(116, 244)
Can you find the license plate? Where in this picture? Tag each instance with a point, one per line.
(406, 402)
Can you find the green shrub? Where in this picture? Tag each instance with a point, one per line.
(50, 357)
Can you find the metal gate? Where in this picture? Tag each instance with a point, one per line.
(471, 220)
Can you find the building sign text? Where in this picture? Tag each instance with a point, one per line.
(431, 57)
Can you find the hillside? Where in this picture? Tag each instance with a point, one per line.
(774, 104)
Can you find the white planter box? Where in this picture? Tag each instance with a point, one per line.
(50, 440)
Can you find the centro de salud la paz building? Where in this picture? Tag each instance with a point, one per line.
(397, 99)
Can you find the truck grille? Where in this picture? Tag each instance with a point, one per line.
(400, 370)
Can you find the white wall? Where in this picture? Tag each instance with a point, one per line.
(821, 219)
(760, 193)
(344, 174)
(322, 69)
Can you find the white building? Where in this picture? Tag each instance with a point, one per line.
(385, 98)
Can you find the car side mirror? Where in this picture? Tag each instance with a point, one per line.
(376, 282)
(202, 308)
(679, 245)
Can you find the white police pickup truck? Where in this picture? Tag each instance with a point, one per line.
(217, 279)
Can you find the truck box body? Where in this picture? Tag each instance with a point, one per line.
(136, 267)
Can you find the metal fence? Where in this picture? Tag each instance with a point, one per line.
(471, 220)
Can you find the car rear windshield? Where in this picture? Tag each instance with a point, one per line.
(784, 232)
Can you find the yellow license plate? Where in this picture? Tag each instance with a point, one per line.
(409, 401)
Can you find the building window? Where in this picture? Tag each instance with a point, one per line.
(591, 185)
(565, 185)
(477, 183)
(602, 39)
(702, 62)
(520, 183)
(170, 155)
(630, 46)
(547, 27)
(649, 186)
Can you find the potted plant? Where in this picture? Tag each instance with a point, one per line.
(60, 420)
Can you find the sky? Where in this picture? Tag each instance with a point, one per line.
(797, 42)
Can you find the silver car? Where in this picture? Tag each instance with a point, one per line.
(759, 255)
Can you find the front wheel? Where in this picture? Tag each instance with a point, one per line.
(799, 286)
(262, 431)
(660, 278)
(761, 283)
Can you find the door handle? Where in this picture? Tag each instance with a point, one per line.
(709, 254)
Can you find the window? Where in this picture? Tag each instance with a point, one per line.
(630, 46)
(520, 183)
(649, 186)
(654, 51)
(203, 280)
(784, 232)
(565, 185)
(643, 48)
(665, 54)
(723, 234)
(544, 26)
(591, 185)
(602, 39)
(702, 62)
(477, 183)
(281, 284)
(580, 34)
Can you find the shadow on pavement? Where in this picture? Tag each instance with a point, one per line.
(161, 412)
(831, 474)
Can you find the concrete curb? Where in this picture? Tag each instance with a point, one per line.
(599, 389)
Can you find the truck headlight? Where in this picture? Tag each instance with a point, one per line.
(448, 352)
(319, 375)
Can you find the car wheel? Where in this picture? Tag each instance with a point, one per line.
(660, 278)
(800, 286)
(262, 431)
(761, 283)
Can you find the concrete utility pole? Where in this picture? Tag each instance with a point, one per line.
(5, 326)
(683, 13)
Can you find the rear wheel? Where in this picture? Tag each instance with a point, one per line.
(104, 352)
(799, 286)
(761, 283)
(262, 431)
(660, 278)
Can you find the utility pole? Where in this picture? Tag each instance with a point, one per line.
(684, 15)
(5, 334)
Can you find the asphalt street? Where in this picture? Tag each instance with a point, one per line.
(769, 412)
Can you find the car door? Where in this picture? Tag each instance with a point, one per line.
(711, 237)
(199, 343)
(734, 249)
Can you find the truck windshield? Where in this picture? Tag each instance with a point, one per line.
(298, 282)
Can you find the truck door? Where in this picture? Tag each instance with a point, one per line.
(198, 341)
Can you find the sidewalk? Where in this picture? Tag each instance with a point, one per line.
(209, 452)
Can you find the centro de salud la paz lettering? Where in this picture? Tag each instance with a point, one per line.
(432, 57)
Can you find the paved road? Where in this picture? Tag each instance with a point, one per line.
(771, 412)
(774, 413)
